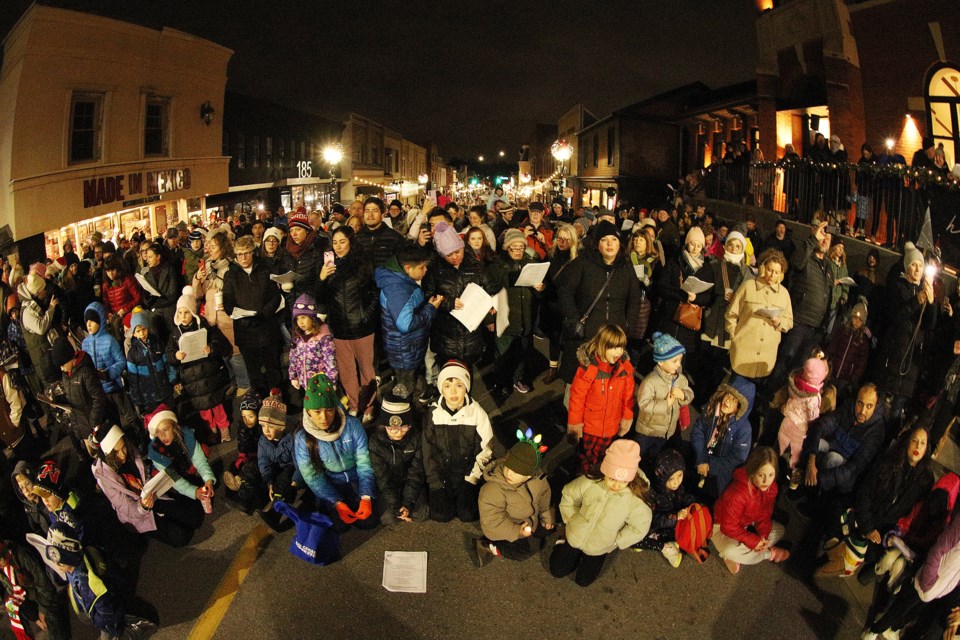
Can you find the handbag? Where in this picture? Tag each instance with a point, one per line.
(688, 315)
(316, 541)
(580, 329)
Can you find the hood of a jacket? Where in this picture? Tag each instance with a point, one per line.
(81, 360)
(747, 392)
(743, 402)
(25, 295)
(391, 273)
(28, 470)
(794, 390)
(96, 306)
(493, 472)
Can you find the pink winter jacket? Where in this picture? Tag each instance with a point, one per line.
(802, 407)
(316, 354)
(940, 573)
(124, 501)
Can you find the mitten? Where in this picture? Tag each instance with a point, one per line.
(345, 513)
(576, 430)
(365, 510)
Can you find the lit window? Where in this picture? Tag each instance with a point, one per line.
(86, 127)
(238, 156)
(156, 127)
(943, 110)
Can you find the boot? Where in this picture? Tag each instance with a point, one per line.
(552, 374)
(834, 565)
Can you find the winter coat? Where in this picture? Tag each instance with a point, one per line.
(785, 246)
(902, 354)
(839, 293)
(456, 446)
(676, 270)
(164, 464)
(165, 279)
(743, 512)
(32, 577)
(380, 245)
(656, 416)
(398, 467)
(191, 263)
(581, 281)
(89, 595)
(350, 297)
(405, 316)
(248, 439)
(253, 291)
(754, 342)
(149, 376)
(848, 351)
(503, 273)
(930, 516)
(811, 285)
(37, 320)
(345, 458)
(940, 572)
(123, 296)
(447, 334)
(666, 505)
(879, 506)
(86, 397)
(35, 511)
(732, 451)
(12, 403)
(313, 354)
(207, 291)
(857, 443)
(504, 507)
(274, 457)
(204, 381)
(105, 351)
(601, 396)
(123, 500)
(307, 265)
(714, 324)
(802, 407)
(599, 520)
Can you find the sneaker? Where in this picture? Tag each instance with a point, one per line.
(671, 551)
(732, 567)
(367, 417)
(484, 554)
(795, 479)
(520, 387)
(231, 481)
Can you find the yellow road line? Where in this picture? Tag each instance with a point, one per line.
(219, 603)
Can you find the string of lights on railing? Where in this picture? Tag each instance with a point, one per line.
(923, 176)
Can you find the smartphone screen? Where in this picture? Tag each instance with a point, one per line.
(327, 257)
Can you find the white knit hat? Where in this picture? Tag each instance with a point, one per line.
(188, 300)
(454, 369)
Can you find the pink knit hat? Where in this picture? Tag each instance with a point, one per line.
(446, 238)
(621, 461)
(815, 371)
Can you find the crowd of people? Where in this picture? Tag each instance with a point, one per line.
(695, 362)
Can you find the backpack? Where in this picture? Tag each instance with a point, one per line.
(693, 532)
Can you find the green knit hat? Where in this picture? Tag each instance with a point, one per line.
(320, 393)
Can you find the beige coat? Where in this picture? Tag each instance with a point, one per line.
(505, 507)
(208, 289)
(599, 520)
(754, 341)
(657, 416)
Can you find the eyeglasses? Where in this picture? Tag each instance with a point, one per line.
(402, 427)
(308, 307)
(244, 253)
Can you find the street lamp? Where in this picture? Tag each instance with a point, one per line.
(561, 150)
(502, 154)
(480, 158)
(332, 155)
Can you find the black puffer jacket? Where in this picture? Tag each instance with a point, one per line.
(167, 281)
(811, 284)
(350, 297)
(307, 265)
(714, 321)
(204, 381)
(579, 284)
(253, 291)
(447, 334)
(398, 467)
(380, 245)
(503, 273)
(83, 389)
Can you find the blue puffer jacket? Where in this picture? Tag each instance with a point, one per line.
(406, 316)
(344, 460)
(274, 457)
(149, 377)
(105, 352)
(733, 449)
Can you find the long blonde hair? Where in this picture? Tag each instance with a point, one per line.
(572, 237)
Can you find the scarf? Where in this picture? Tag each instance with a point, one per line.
(180, 462)
(695, 262)
(733, 258)
(297, 250)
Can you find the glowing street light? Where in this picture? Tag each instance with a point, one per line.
(890, 144)
(561, 150)
(332, 155)
(502, 153)
(480, 158)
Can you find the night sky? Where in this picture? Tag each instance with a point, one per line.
(473, 76)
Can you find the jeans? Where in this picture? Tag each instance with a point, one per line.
(238, 371)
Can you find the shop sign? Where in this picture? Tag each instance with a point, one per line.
(153, 184)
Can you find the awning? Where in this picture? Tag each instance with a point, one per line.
(233, 197)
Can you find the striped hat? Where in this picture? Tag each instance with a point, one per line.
(454, 369)
(273, 413)
(395, 408)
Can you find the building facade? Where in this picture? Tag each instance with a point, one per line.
(379, 162)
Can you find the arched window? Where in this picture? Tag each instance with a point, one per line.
(943, 110)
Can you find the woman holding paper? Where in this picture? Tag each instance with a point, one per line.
(165, 282)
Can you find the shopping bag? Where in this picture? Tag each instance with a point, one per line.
(316, 541)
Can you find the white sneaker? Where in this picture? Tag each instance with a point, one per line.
(868, 635)
(671, 551)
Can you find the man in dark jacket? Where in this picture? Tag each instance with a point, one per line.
(396, 454)
(81, 385)
(779, 239)
(668, 233)
(379, 240)
(247, 289)
(31, 599)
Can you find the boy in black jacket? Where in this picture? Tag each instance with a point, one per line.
(396, 455)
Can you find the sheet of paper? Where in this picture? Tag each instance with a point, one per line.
(285, 278)
(627, 225)
(242, 313)
(641, 274)
(146, 285)
(695, 285)
(193, 344)
(476, 306)
(532, 274)
(847, 281)
(157, 485)
(40, 544)
(769, 312)
(503, 312)
(405, 571)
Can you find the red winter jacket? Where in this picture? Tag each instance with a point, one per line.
(126, 296)
(601, 396)
(743, 505)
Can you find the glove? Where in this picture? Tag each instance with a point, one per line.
(576, 430)
(365, 510)
(624, 426)
(345, 513)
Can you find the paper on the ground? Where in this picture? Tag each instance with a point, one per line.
(157, 485)
(40, 544)
(627, 225)
(405, 571)
(641, 274)
(503, 311)
(532, 274)
(146, 285)
(193, 344)
(769, 312)
(241, 313)
(847, 281)
(695, 285)
(286, 278)
(476, 306)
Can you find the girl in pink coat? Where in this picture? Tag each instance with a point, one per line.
(802, 408)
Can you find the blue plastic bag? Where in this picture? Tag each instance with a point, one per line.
(316, 540)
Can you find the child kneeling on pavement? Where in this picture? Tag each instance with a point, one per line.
(396, 453)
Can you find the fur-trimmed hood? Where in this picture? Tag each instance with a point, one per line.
(743, 405)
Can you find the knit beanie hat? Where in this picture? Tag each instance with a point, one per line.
(395, 408)
(13, 302)
(647, 222)
(63, 545)
(695, 235)
(621, 460)
(139, 319)
(273, 232)
(446, 239)
(108, 437)
(523, 458)
(910, 255)
(188, 300)
(454, 369)
(250, 401)
(50, 479)
(605, 228)
(91, 315)
(735, 235)
(161, 414)
(305, 306)
(39, 268)
(669, 461)
(589, 215)
(582, 224)
(63, 351)
(513, 235)
(196, 234)
(301, 220)
(273, 413)
(320, 393)
(815, 371)
(665, 346)
(35, 284)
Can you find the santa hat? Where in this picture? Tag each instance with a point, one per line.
(160, 414)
